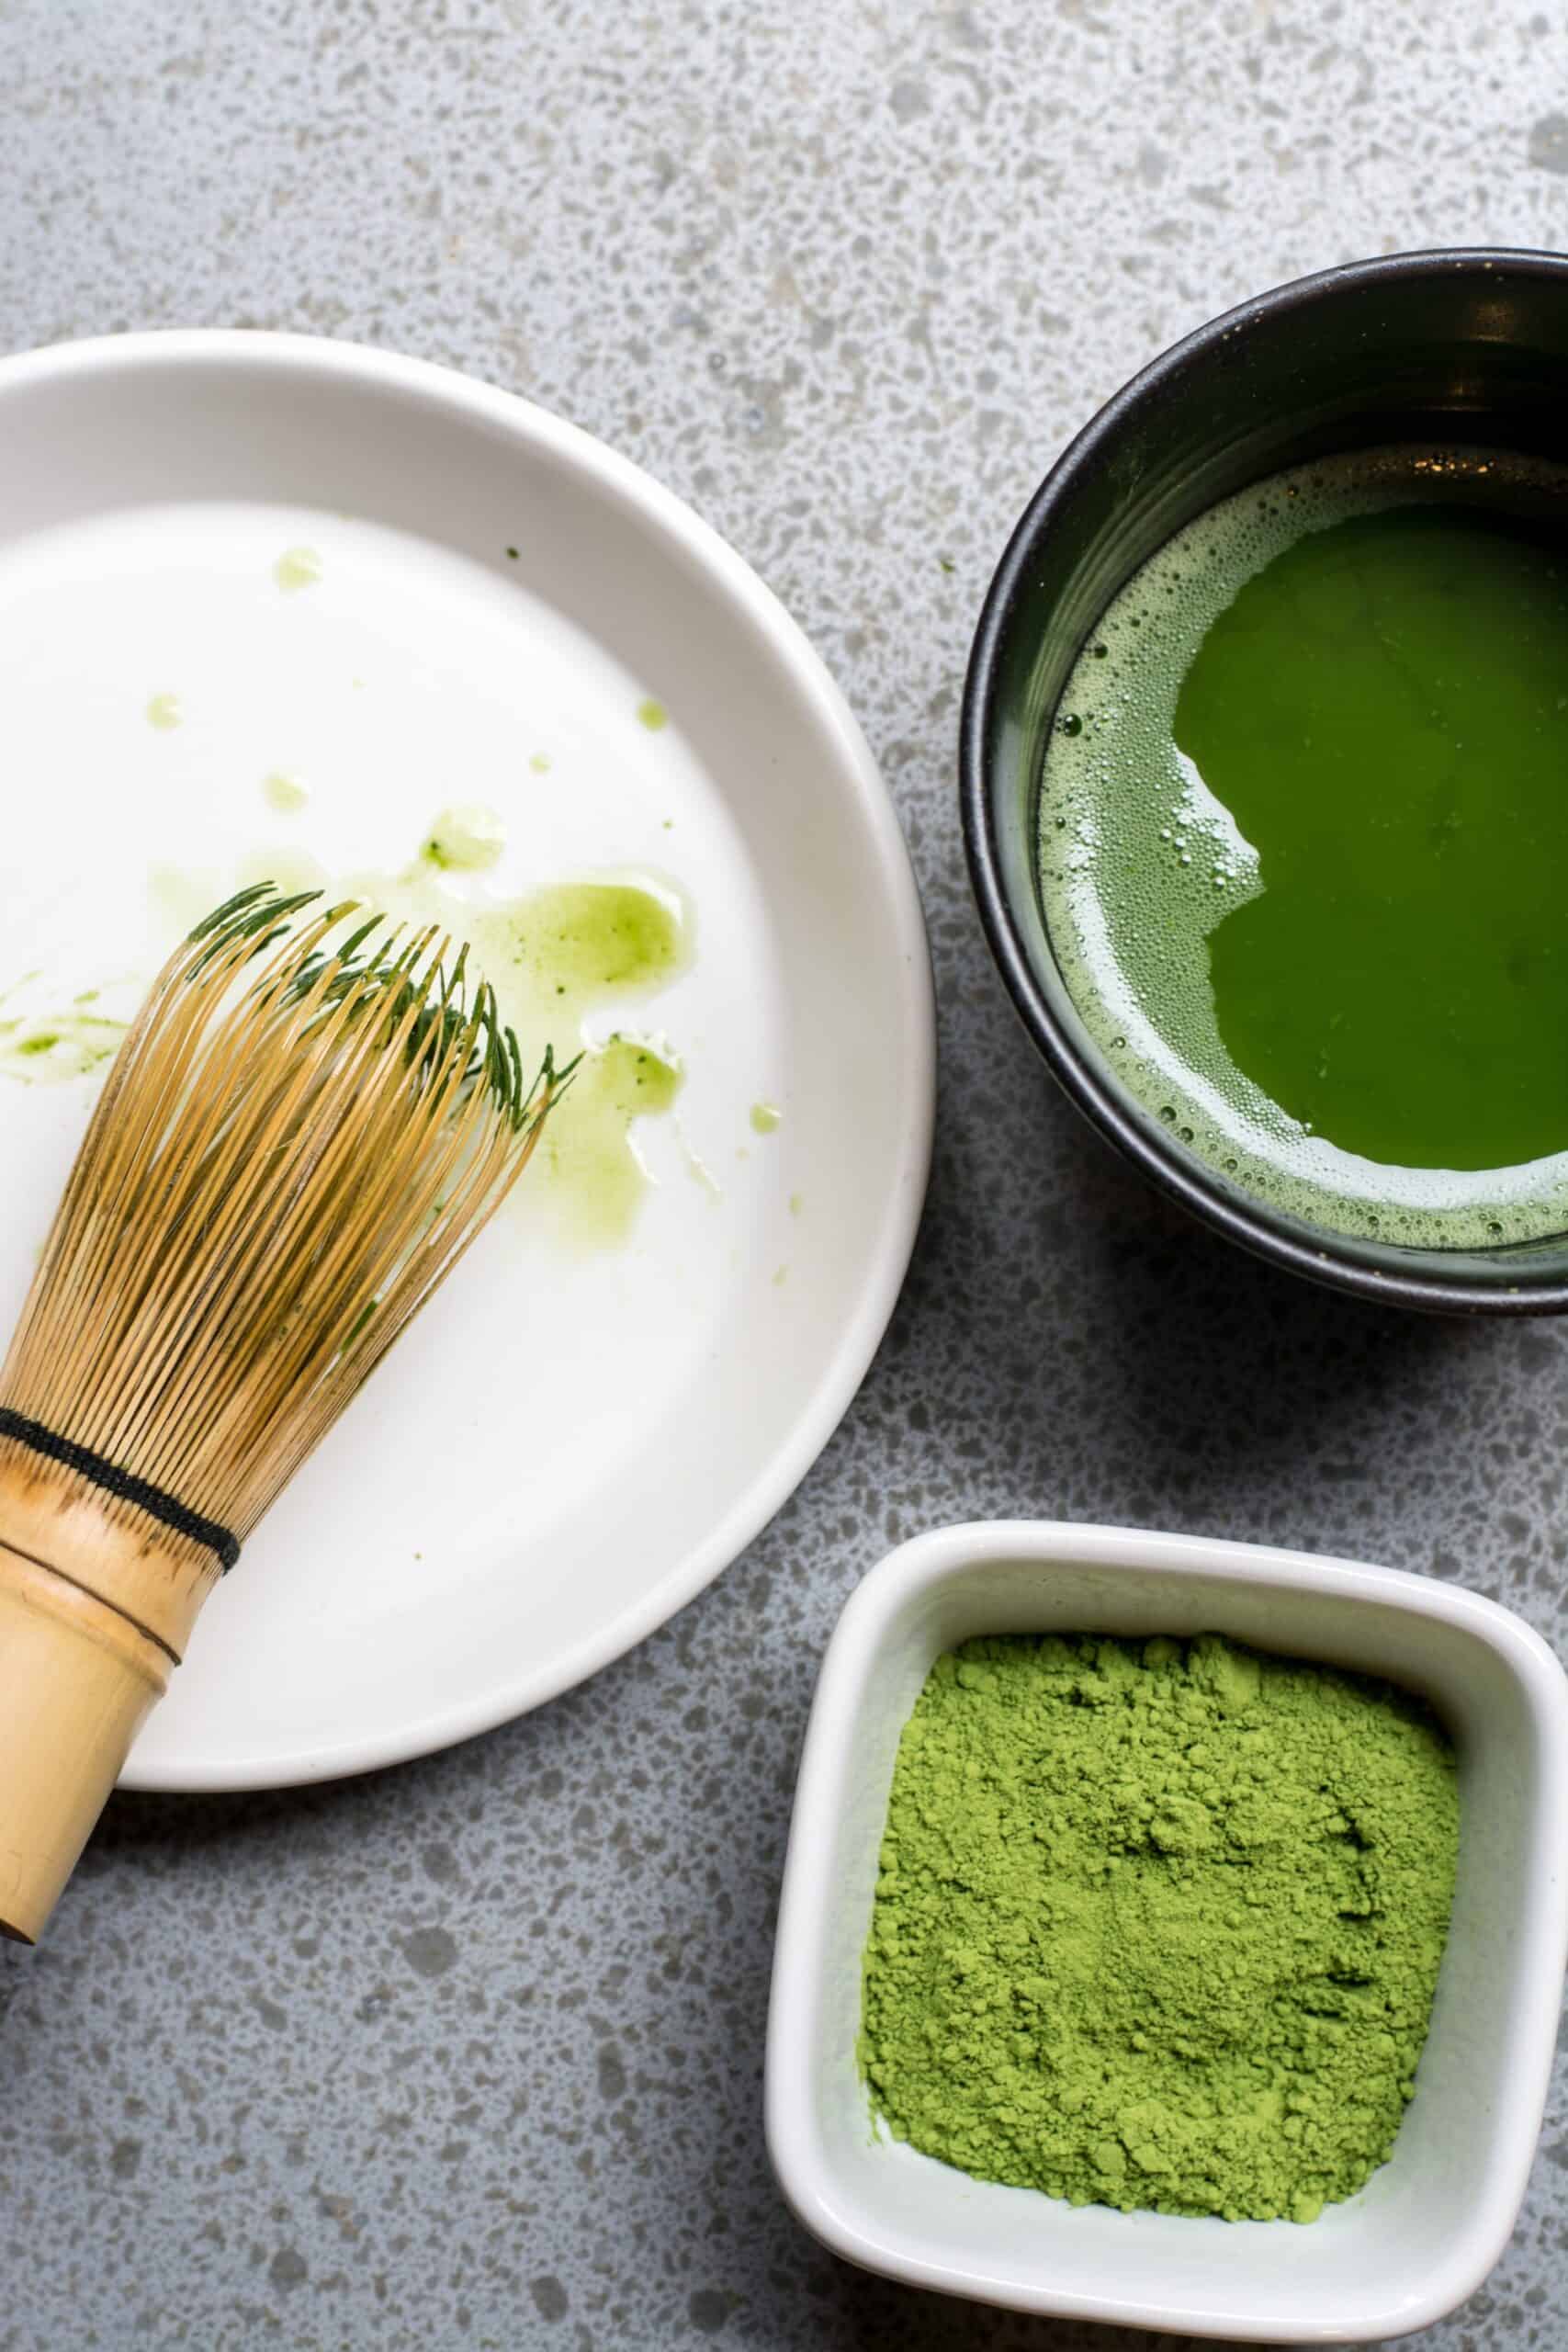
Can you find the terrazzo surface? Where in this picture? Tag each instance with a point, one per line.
(469, 2053)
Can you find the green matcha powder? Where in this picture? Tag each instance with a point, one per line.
(1158, 1925)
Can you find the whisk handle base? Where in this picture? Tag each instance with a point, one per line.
(77, 1678)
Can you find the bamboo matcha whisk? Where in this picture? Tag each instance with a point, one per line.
(311, 1119)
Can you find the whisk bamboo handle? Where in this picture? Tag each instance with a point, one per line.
(93, 1620)
(79, 1680)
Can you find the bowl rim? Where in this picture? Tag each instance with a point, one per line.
(1183, 1179)
(943, 1555)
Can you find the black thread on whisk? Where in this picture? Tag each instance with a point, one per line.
(123, 1485)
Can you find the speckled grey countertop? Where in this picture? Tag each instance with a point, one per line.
(470, 2052)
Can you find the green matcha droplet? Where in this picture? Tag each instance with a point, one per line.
(296, 568)
(590, 1159)
(284, 792)
(467, 840)
(65, 1046)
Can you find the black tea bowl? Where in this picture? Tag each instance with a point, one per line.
(1456, 348)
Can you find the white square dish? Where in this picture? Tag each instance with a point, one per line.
(1431, 2222)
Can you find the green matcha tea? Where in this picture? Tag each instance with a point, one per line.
(1304, 844)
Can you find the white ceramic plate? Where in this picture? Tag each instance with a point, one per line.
(568, 1447)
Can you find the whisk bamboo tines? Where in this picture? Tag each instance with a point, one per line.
(313, 1115)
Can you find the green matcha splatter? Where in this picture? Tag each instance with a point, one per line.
(288, 869)
(284, 792)
(166, 712)
(44, 1052)
(296, 568)
(1158, 1926)
(553, 957)
(540, 764)
(180, 896)
(588, 1154)
(766, 1118)
(583, 941)
(466, 841)
(653, 714)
